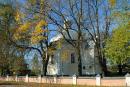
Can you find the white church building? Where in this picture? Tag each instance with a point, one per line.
(64, 59)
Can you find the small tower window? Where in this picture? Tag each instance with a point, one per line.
(84, 67)
(72, 58)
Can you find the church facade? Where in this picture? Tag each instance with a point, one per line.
(64, 60)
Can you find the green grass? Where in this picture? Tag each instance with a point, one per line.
(21, 84)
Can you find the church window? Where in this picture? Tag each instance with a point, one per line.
(84, 67)
(52, 59)
(72, 58)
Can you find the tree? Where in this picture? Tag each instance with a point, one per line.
(98, 26)
(79, 16)
(68, 17)
(117, 47)
(31, 32)
(7, 50)
(19, 66)
(120, 12)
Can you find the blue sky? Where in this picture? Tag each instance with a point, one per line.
(22, 1)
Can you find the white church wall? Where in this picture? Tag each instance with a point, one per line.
(90, 64)
(69, 68)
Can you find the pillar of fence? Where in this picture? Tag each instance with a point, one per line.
(98, 80)
(7, 78)
(74, 79)
(127, 79)
(39, 79)
(27, 78)
(55, 79)
(16, 78)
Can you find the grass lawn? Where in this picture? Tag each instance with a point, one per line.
(23, 84)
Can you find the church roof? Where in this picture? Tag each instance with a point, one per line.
(73, 35)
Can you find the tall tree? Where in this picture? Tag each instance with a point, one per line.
(117, 47)
(68, 17)
(31, 32)
(98, 26)
(79, 16)
(7, 50)
(19, 66)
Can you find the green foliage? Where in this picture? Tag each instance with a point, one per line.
(19, 66)
(23, 27)
(9, 54)
(117, 47)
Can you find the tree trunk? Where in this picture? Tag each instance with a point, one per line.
(79, 62)
(105, 67)
(45, 64)
(104, 63)
(101, 59)
(120, 69)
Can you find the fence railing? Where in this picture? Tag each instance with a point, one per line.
(93, 81)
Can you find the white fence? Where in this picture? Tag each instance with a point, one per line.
(93, 81)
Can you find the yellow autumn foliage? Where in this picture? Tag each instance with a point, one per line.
(42, 23)
(36, 17)
(18, 16)
(37, 31)
(37, 34)
(17, 36)
(112, 2)
(23, 28)
(42, 1)
(36, 39)
(32, 1)
(29, 29)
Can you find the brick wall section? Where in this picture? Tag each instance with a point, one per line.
(113, 82)
(65, 80)
(33, 79)
(69, 80)
(2, 78)
(86, 82)
(12, 78)
(21, 78)
(49, 80)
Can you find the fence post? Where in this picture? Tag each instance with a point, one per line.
(55, 79)
(127, 79)
(98, 80)
(16, 78)
(39, 79)
(27, 78)
(74, 79)
(7, 78)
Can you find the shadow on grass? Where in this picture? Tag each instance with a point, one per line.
(23, 84)
(10, 83)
